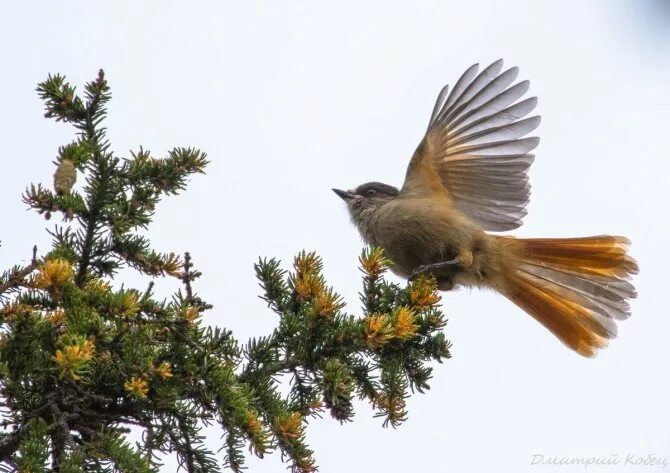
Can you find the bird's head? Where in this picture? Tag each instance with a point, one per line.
(364, 201)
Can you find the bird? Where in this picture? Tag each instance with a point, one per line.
(469, 177)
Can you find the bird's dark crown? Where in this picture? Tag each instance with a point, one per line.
(378, 188)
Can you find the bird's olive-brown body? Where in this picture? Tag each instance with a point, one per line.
(421, 230)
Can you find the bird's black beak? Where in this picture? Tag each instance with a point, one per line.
(344, 195)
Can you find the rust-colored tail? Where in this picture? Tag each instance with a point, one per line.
(576, 287)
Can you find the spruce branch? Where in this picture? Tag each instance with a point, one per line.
(83, 359)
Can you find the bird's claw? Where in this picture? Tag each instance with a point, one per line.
(418, 271)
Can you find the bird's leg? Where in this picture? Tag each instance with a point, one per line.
(463, 259)
(426, 268)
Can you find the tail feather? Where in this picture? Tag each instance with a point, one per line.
(576, 287)
(600, 255)
(601, 294)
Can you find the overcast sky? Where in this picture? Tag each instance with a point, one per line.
(292, 98)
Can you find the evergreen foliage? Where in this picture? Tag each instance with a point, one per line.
(83, 359)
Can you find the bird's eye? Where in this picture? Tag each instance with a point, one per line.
(370, 192)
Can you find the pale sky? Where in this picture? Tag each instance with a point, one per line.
(292, 98)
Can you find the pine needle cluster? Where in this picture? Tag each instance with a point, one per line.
(85, 360)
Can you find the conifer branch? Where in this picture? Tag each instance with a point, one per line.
(83, 360)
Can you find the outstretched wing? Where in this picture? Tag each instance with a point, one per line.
(475, 144)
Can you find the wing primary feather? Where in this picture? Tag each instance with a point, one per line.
(490, 160)
(489, 91)
(460, 85)
(503, 117)
(484, 77)
(438, 104)
(511, 131)
(496, 104)
(521, 146)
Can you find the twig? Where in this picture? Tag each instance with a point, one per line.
(188, 276)
(16, 278)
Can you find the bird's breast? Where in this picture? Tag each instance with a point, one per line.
(416, 231)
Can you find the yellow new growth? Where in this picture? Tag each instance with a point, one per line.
(404, 327)
(381, 328)
(373, 262)
(72, 359)
(130, 304)
(326, 303)
(289, 426)
(98, 286)
(378, 330)
(257, 433)
(172, 264)
(308, 282)
(307, 263)
(137, 387)
(164, 370)
(307, 285)
(423, 292)
(54, 274)
(254, 425)
(393, 405)
(191, 314)
(55, 316)
(9, 311)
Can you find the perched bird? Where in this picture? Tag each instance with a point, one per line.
(469, 175)
(65, 177)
